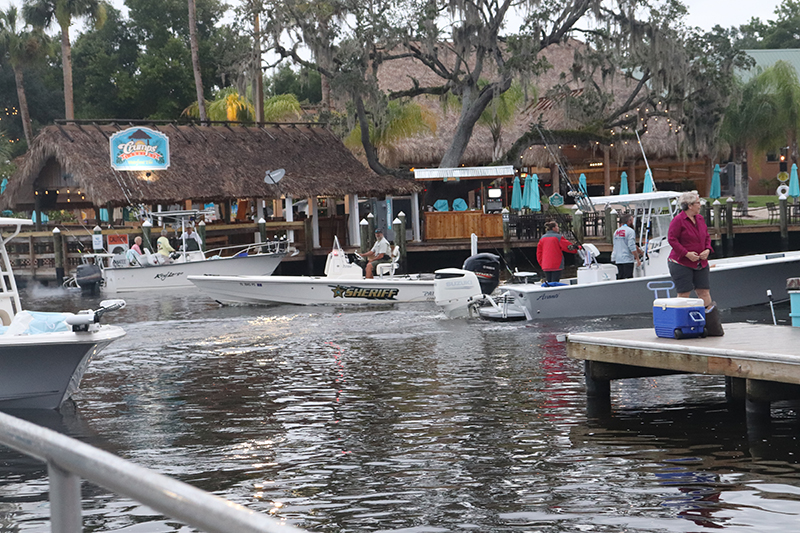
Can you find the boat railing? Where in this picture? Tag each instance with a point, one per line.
(69, 460)
(268, 247)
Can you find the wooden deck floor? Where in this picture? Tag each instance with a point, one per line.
(761, 362)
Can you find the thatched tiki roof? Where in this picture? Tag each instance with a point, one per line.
(207, 163)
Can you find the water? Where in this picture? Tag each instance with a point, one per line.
(397, 419)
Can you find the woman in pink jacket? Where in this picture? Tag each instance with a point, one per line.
(549, 252)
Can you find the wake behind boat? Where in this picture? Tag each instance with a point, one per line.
(43, 355)
(343, 283)
(735, 281)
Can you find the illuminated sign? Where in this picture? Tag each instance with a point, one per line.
(139, 148)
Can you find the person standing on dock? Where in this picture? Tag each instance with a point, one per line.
(625, 251)
(549, 252)
(688, 260)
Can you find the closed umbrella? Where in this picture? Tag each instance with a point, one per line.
(582, 185)
(534, 202)
(623, 183)
(526, 192)
(794, 186)
(649, 184)
(716, 190)
(516, 195)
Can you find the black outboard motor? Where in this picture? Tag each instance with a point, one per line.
(487, 268)
(88, 277)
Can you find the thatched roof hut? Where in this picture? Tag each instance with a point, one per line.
(427, 149)
(208, 164)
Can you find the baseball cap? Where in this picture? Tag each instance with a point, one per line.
(378, 230)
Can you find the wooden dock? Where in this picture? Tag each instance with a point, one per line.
(761, 363)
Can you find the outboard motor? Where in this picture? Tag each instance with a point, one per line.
(88, 277)
(455, 289)
(487, 269)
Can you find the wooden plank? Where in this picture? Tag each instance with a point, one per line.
(749, 351)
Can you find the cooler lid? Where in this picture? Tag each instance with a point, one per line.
(678, 302)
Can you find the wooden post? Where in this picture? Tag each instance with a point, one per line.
(308, 233)
(718, 227)
(201, 230)
(577, 225)
(262, 232)
(611, 223)
(363, 227)
(399, 229)
(58, 255)
(506, 238)
(147, 226)
(729, 226)
(784, 221)
(402, 242)
(371, 232)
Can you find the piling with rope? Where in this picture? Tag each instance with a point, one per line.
(58, 255)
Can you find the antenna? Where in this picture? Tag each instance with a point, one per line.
(274, 176)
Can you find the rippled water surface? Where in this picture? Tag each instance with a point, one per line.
(397, 419)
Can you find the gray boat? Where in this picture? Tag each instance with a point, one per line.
(43, 355)
(735, 281)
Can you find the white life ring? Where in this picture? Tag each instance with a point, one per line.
(783, 190)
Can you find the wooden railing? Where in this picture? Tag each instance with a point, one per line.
(461, 224)
(32, 254)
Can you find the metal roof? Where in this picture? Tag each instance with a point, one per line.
(766, 58)
(459, 173)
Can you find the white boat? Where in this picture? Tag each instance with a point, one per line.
(735, 281)
(343, 283)
(43, 355)
(127, 273)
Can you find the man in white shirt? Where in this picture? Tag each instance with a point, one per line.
(625, 251)
(192, 240)
(380, 253)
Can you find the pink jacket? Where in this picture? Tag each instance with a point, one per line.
(685, 236)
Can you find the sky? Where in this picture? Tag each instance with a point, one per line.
(702, 13)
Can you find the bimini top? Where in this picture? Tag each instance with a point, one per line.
(640, 199)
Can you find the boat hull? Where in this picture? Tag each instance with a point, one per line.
(42, 371)
(304, 290)
(174, 275)
(735, 282)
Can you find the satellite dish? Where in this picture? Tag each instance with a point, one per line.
(274, 176)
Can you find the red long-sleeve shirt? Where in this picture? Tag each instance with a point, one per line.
(549, 251)
(687, 236)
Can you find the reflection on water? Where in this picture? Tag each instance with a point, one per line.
(396, 419)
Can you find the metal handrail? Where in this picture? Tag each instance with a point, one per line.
(68, 460)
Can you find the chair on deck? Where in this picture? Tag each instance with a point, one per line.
(441, 205)
(774, 214)
(459, 204)
(738, 212)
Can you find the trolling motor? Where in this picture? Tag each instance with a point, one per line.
(85, 320)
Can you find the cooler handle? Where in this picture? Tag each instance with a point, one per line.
(697, 316)
(658, 286)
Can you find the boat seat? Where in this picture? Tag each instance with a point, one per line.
(389, 268)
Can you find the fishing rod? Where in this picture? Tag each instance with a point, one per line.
(581, 197)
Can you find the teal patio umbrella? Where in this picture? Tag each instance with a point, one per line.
(794, 186)
(582, 185)
(534, 202)
(516, 195)
(526, 191)
(623, 183)
(716, 190)
(649, 184)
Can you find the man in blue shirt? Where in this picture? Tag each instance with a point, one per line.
(625, 251)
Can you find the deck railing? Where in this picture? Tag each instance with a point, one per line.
(69, 460)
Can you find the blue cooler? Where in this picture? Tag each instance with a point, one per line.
(679, 318)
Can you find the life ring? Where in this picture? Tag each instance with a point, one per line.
(783, 190)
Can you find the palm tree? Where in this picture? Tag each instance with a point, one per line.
(500, 112)
(231, 106)
(43, 12)
(401, 121)
(782, 82)
(21, 48)
(198, 79)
